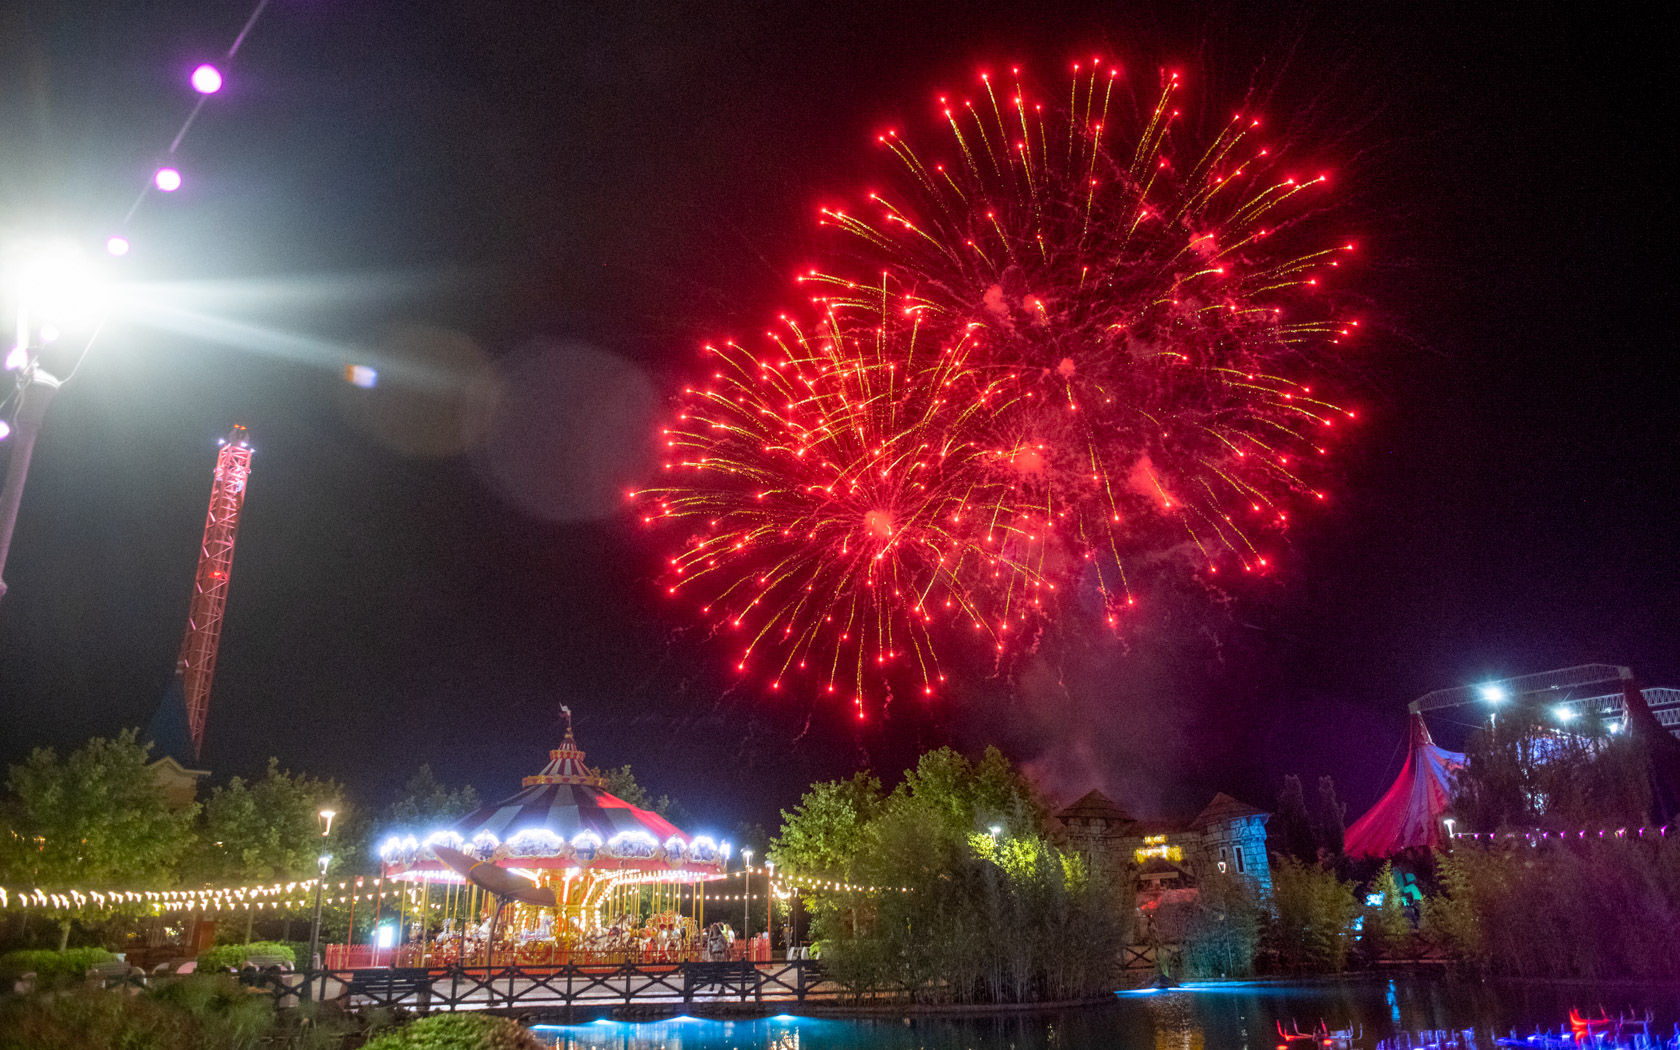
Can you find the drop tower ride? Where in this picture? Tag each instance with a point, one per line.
(196, 666)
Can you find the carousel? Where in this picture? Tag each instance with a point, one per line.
(561, 872)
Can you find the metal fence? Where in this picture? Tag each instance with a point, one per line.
(564, 987)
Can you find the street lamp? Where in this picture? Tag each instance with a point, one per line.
(51, 286)
(315, 928)
(769, 903)
(746, 892)
(325, 818)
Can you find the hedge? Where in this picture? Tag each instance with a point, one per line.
(47, 963)
(224, 956)
(457, 1032)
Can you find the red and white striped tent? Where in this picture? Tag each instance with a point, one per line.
(1411, 810)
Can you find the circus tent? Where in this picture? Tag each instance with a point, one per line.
(1410, 811)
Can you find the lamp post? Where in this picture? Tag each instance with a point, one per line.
(50, 285)
(746, 893)
(769, 903)
(315, 928)
(325, 819)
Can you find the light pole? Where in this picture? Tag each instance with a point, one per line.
(746, 893)
(315, 928)
(325, 818)
(50, 285)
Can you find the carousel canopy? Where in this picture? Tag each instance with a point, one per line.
(563, 818)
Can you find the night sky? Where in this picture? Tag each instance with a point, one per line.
(530, 216)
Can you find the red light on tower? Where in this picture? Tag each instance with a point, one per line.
(197, 664)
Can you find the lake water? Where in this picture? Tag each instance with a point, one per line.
(1237, 1016)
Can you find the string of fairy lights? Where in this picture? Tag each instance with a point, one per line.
(299, 894)
(206, 79)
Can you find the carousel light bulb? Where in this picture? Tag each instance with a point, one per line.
(167, 179)
(116, 245)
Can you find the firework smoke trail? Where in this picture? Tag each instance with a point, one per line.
(841, 508)
(1145, 296)
(1077, 352)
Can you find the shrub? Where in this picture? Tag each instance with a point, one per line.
(1592, 910)
(1388, 931)
(196, 1013)
(1311, 921)
(1222, 931)
(50, 965)
(224, 956)
(457, 1032)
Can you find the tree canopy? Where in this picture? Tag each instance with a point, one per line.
(268, 828)
(95, 819)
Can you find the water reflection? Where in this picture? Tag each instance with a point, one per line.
(1231, 1016)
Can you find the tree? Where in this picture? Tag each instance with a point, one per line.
(268, 829)
(95, 820)
(1526, 771)
(1388, 931)
(827, 833)
(931, 899)
(622, 783)
(1293, 827)
(1221, 930)
(1330, 822)
(1311, 921)
(426, 803)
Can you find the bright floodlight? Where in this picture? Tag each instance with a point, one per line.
(207, 80)
(167, 179)
(1493, 694)
(5, 429)
(116, 245)
(57, 288)
(1564, 714)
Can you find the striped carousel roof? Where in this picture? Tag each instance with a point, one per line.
(562, 818)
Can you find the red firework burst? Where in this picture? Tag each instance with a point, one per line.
(842, 503)
(1079, 356)
(1154, 302)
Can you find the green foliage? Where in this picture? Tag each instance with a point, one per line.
(961, 915)
(1449, 915)
(1522, 772)
(196, 1013)
(97, 819)
(266, 829)
(1291, 829)
(457, 1032)
(49, 965)
(622, 782)
(234, 955)
(1388, 931)
(1311, 922)
(426, 803)
(1330, 821)
(1587, 910)
(1223, 929)
(827, 833)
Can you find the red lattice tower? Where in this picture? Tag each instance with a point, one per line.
(197, 664)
